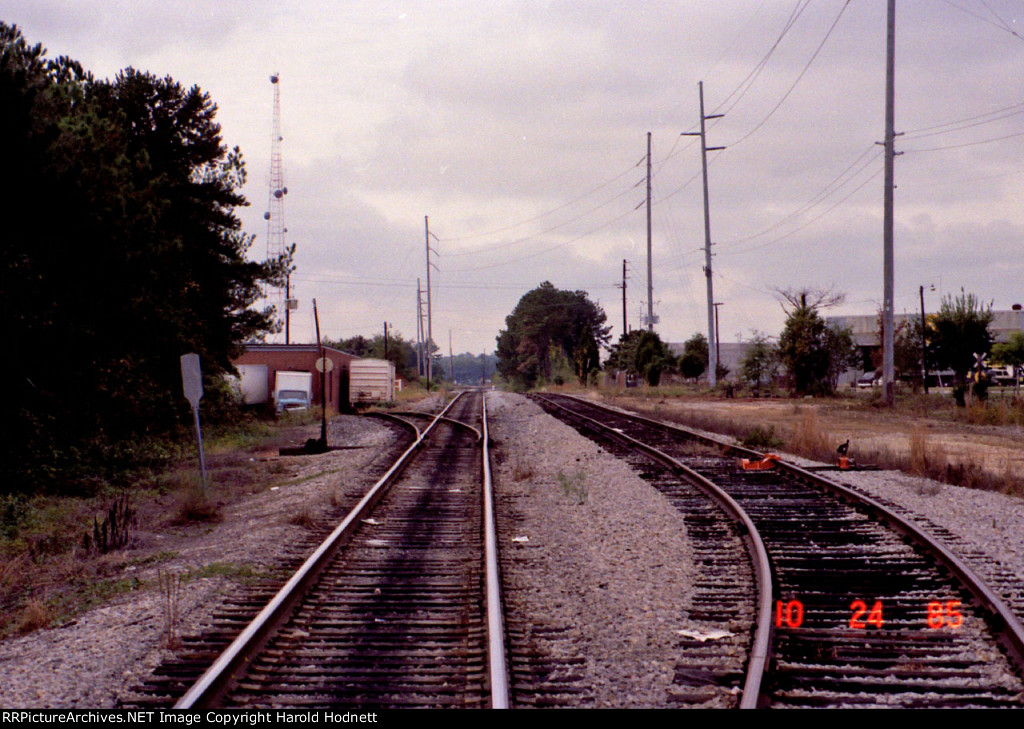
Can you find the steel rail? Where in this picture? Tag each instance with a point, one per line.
(764, 627)
(399, 414)
(497, 660)
(217, 679)
(1009, 629)
(393, 418)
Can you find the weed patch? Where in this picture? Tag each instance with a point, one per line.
(116, 529)
(763, 439)
(303, 518)
(522, 468)
(575, 487)
(169, 584)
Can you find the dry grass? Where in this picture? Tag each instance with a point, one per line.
(922, 459)
(169, 584)
(522, 467)
(196, 505)
(303, 518)
(809, 439)
(35, 615)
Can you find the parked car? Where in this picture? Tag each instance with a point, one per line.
(869, 379)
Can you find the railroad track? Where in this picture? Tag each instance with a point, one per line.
(397, 608)
(855, 606)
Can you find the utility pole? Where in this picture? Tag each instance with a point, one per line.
(419, 329)
(430, 318)
(385, 340)
(704, 149)
(888, 323)
(625, 323)
(650, 274)
(718, 353)
(323, 389)
(451, 358)
(924, 343)
(288, 309)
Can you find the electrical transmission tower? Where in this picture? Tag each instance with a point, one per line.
(282, 299)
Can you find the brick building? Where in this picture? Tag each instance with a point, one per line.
(262, 362)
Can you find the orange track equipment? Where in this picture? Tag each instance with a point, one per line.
(764, 464)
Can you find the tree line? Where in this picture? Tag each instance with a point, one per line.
(553, 335)
(121, 252)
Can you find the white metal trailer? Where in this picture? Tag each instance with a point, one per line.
(371, 380)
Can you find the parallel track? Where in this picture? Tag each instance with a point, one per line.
(388, 611)
(852, 598)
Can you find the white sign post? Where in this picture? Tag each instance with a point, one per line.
(192, 382)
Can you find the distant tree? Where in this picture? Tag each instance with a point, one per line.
(960, 330)
(641, 352)
(547, 324)
(760, 362)
(695, 357)
(400, 352)
(1010, 352)
(812, 352)
(469, 368)
(652, 357)
(623, 353)
(907, 347)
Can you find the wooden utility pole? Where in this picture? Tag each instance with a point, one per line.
(625, 325)
(650, 270)
(323, 389)
(430, 318)
(924, 346)
(288, 309)
(704, 149)
(718, 339)
(888, 323)
(419, 330)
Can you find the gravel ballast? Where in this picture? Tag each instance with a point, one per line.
(603, 556)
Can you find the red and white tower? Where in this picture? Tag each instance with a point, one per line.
(281, 298)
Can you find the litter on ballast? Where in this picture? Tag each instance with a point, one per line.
(704, 635)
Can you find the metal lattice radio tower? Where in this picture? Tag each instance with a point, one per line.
(281, 298)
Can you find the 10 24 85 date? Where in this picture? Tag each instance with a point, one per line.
(935, 615)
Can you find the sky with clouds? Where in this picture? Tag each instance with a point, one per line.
(520, 128)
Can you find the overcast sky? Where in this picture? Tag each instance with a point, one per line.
(520, 128)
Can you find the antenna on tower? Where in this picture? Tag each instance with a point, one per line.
(282, 300)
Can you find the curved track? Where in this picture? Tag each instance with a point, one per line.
(388, 611)
(864, 609)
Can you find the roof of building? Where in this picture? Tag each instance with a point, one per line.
(865, 326)
(259, 347)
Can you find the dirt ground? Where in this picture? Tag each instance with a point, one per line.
(996, 449)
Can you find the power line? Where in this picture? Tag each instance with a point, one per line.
(544, 214)
(1001, 25)
(798, 10)
(825, 192)
(966, 144)
(534, 236)
(798, 78)
(602, 226)
(960, 124)
(809, 222)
